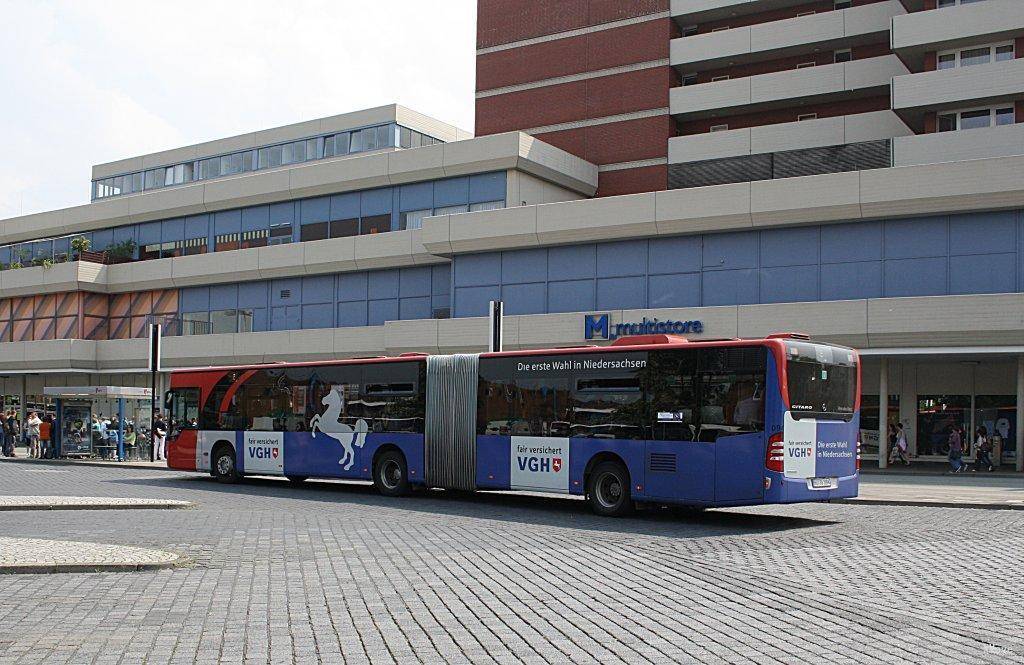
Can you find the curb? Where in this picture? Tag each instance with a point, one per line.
(84, 506)
(67, 462)
(942, 474)
(29, 569)
(932, 504)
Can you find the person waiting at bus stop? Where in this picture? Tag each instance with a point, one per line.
(12, 429)
(45, 437)
(32, 424)
(159, 436)
(983, 450)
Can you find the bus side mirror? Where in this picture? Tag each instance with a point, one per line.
(168, 398)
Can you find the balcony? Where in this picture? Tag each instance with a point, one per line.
(954, 27)
(945, 89)
(864, 24)
(841, 130)
(781, 89)
(700, 11)
(1002, 141)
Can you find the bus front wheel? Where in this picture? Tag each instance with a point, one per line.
(391, 475)
(224, 469)
(608, 490)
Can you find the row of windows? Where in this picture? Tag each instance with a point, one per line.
(319, 147)
(364, 212)
(975, 55)
(388, 397)
(952, 121)
(695, 395)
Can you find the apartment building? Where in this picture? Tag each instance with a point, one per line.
(893, 221)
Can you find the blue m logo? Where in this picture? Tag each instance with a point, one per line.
(595, 326)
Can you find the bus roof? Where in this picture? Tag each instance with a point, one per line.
(657, 342)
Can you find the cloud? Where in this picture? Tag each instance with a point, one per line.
(92, 82)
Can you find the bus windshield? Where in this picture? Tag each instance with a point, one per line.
(821, 379)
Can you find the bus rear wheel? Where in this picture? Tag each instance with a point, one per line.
(224, 469)
(391, 474)
(608, 490)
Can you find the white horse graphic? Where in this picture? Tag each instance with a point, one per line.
(329, 422)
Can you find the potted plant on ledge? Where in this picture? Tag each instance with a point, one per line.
(121, 252)
(80, 246)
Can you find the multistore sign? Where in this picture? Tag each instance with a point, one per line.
(598, 326)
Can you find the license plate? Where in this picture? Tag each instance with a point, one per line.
(822, 483)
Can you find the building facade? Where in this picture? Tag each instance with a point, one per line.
(714, 168)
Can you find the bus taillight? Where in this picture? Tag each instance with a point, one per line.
(773, 458)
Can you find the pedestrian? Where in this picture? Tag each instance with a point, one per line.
(956, 450)
(130, 440)
(900, 447)
(159, 436)
(45, 436)
(13, 432)
(32, 424)
(983, 450)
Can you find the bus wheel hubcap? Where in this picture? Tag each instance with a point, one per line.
(224, 465)
(609, 490)
(391, 474)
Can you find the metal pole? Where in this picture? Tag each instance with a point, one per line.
(152, 417)
(883, 415)
(55, 435)
(120, 429)
(496, 326)
(1019, 425)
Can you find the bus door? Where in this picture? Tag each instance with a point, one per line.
(732, 407)
(680, 465)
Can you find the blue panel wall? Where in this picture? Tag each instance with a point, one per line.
(939, 255)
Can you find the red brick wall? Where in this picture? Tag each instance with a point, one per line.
(577, 100)
(615, 142)
(819, 7)
(633, 181)
(629, 44)
(506, 21)
(776, 116)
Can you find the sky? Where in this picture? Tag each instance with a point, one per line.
(90, 81)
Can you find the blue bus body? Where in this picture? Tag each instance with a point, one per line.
(789, 456)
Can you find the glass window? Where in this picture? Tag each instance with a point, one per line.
(947, 122)
(1005, 116)
(392, 397)
(231, 164)
(947, 61)
(271, 157)
(1004, 52)
(148, 252)
(375, 224)
(522, 402)
(194, 246)
(975, 119)
(154, 178)
(226, 242)
(184, 409)
(821, 379)
(315, 231)
(245, 320)
(341, 143)
(998, 415)
(224, 321)
(732, 389)
(486, 205)
(670, 382)
(451, 210)
(314, 148)
(413, 219)
(975, 56)
(405, 137)
(195, 323)
(608, 405)
(843, 55)
(280, 235)
(329, 146)
(343, 228)
(386, 136)
(294, 152)
(936, 416)
(869, 414)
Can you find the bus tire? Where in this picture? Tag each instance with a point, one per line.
(391, 474)
(297, 480)
(224, 468)
(608, 490)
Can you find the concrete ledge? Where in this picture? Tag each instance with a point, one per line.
(33, 555)
(86, 503)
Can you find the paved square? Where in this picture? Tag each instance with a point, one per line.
(334, 573)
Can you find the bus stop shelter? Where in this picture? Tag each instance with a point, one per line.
(74, 407)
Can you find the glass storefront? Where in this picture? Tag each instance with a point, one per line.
(869, 413)
(936, 417)
(998, 415)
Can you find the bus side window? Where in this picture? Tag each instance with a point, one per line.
(732, 392)
(671, 384)
(608, 406)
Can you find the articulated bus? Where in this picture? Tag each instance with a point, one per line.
(651, 419)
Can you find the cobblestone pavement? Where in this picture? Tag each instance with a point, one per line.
(58, 502)
(35, 555)
(334, 573)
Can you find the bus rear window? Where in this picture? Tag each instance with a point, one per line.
(821, 379)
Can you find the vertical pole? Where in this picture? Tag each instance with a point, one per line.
(154, 368)
(55, 435)
(22, 412)
(1019, 425)
(496, 326)
(120, 429)
(883, 414)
